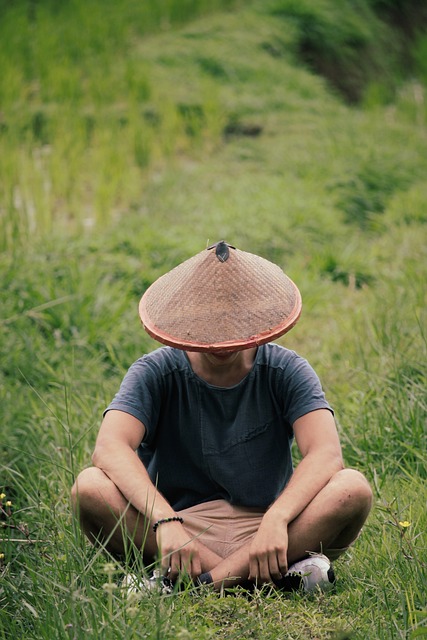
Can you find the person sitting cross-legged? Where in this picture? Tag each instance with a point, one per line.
(193, 455)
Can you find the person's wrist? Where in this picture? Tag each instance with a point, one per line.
(169, 520)
(277, 516)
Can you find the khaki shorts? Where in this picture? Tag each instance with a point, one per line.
(223, 528)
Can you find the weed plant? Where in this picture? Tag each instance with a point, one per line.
(132, 161)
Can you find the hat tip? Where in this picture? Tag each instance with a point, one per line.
(222, 250)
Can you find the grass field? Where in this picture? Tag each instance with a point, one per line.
(129, 141)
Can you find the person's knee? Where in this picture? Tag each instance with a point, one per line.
(354, 491)
(86, 488)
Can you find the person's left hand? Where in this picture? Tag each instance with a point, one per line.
(268, 551)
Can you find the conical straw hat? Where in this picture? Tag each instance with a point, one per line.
(220, 299)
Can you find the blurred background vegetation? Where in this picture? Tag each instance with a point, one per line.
(90, 105)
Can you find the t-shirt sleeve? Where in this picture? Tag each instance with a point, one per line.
(140, 395)
(302, 389)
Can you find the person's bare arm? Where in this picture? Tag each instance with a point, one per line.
(317, 439)
(115, 454)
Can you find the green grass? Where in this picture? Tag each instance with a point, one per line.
(114, 170)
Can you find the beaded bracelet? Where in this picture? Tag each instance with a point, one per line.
(163, 520)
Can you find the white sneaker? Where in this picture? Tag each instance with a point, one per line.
(138, 585)
(314, 572)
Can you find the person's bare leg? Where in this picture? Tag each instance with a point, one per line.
(332, 520)
(107, 518)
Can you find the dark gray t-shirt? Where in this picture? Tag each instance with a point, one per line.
(205, 442)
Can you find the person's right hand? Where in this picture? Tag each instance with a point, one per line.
(179, 552)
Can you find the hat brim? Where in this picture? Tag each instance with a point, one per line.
(229, 345)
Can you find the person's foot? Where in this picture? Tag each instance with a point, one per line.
(311, 574)
(133, 584)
